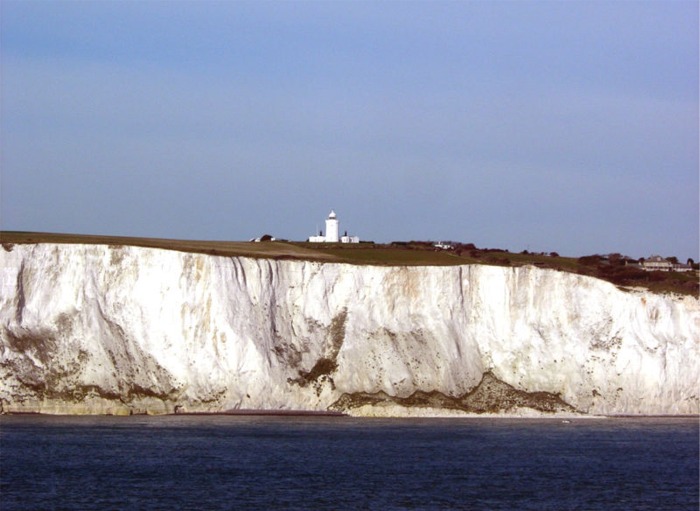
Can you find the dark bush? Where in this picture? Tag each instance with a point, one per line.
(590, 260)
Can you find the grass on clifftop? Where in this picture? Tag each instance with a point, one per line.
(414, 253)
(273, 250)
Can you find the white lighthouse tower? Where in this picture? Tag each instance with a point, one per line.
(332, 232)
(332, 228)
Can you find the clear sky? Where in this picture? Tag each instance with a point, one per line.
(548, 126)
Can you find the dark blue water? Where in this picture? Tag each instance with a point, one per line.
(233, 462)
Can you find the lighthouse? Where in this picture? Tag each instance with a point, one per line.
(332, 232)
(332, 228)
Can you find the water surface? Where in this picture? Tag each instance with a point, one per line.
(242, 462)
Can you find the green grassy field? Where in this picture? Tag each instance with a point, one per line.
(396, 254)
(327, 252)
(275, 249)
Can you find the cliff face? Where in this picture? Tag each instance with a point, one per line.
(103, 329)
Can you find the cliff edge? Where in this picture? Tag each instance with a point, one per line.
(123, 329)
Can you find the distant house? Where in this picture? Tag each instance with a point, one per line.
(658, 263)
(264, 237)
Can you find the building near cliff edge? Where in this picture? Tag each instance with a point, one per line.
(332, 230)
(658, 263)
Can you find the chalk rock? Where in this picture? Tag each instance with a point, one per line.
(120, 329)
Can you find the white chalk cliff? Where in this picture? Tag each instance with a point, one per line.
(119, 329)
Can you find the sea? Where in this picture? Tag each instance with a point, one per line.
(341, 463)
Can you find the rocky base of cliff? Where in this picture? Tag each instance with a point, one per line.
(490, 396)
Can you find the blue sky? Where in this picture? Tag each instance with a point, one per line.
(547, 126)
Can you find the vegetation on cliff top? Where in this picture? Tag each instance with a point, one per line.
(613, 268)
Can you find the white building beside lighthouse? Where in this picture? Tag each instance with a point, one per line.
(332, 232)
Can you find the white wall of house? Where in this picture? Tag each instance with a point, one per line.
(657, 263)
